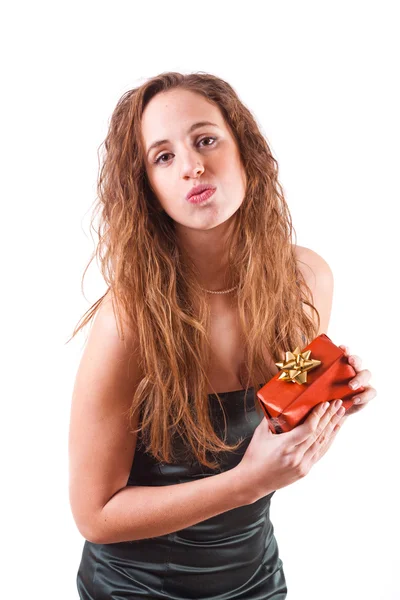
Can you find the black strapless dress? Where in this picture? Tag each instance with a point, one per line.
(232, 556)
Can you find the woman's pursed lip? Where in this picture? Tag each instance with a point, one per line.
(202, 197)
(199, 189)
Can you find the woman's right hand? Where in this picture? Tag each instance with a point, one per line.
(273, 461)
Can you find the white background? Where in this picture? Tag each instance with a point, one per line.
(322, 80)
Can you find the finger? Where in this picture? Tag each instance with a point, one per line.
(325, 439)
(302, 432)
(325, 426)
(361, 399)
(361, 379)
(355, 362)
(322, 449)
(334, 406)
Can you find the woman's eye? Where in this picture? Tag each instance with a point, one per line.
(207, 138)
(160, 157)
(158, 160)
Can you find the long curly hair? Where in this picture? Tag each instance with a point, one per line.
(154, 285)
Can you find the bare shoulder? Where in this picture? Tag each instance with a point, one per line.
(319, 278)
(311, 262)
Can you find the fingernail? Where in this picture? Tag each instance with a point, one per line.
(357, 400)
(354, 385)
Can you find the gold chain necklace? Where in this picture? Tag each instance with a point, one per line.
(221, 292)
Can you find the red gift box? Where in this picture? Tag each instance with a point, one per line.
(287, 403)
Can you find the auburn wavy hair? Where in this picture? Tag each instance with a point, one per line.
(154, 285)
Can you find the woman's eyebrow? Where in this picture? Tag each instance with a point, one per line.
(191, 128)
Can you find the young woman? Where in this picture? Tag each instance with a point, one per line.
(172, 464)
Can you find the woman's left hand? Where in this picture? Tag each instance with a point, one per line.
(361, 378)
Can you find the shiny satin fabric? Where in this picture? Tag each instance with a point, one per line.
(232, 556)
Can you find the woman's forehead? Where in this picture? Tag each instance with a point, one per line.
(175, 112)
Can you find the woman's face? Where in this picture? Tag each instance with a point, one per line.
(207, 154)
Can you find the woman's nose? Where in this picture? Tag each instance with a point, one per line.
(192, 164)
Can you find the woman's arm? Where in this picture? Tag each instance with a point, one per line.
(139, 512)
(101, 453)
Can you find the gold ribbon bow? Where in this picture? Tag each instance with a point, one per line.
(296, 365)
